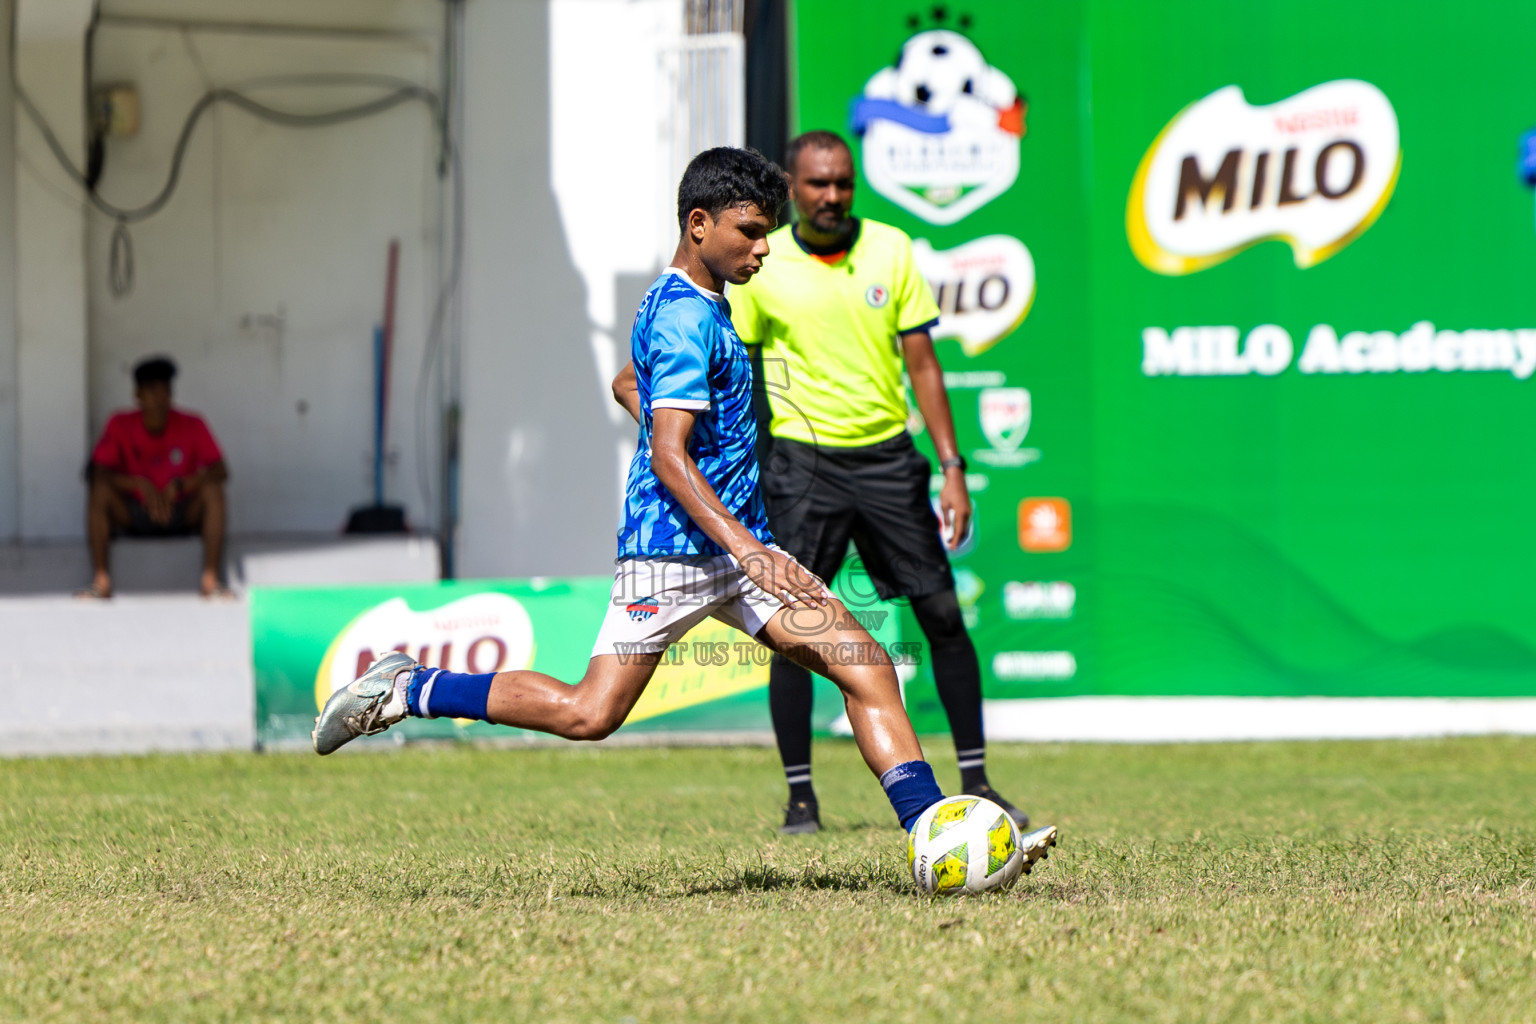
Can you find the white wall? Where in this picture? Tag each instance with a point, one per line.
(556, 265)
(539, 447)
(10, 508)
(608, 67)
(50, 274)
(264, 276)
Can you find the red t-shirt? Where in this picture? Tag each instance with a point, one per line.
(183, 448)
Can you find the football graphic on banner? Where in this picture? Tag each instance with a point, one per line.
(940, 129)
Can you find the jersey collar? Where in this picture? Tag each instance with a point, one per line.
(712, 296)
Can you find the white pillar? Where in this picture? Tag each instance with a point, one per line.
(9, 483)
(50, 272)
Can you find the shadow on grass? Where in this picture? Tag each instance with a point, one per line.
(765, 878)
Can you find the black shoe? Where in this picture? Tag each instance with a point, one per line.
(986, 792)
(801, 817)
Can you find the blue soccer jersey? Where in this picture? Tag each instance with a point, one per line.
(687, 356)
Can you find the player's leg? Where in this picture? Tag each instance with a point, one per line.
(629, 646)
(204, 513)
(809, 512)
(831, 642)
(396, 688)
(105, 510)
(897, 536)
(590, 710)
(957, 676)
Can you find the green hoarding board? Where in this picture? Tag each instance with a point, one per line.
(1259, 426)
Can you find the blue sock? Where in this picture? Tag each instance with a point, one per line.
(911, 789)
(438, 693)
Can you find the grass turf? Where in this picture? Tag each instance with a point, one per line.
(1377, 881)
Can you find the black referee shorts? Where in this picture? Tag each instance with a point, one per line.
(820, 498)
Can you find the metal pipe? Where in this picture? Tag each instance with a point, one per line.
(260, 28)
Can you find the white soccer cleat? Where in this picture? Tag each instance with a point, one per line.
(1036, 845)
(368, 705)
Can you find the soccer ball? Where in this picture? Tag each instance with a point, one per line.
(964, 844)
(937, 68)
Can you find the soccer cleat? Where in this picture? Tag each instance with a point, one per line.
(801, 818)
(368, 705)
(1036, 845)
(986, 792)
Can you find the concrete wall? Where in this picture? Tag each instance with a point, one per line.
(10, 508)
(264, 275)
(565, 151)
(68, 687)
(50, 272)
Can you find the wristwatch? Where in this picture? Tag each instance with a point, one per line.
(954, 462)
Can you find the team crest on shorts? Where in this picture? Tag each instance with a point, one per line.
(877, 296)
(643, 609)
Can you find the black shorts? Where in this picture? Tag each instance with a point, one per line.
(819, 498)
(141, 525)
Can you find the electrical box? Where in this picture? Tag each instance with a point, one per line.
(115, 109)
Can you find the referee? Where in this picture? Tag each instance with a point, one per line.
(836, 311)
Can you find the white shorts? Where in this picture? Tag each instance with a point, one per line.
(656, 600)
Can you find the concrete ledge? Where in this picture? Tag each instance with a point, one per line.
(333, 561)
(129, 675)
(143, 565)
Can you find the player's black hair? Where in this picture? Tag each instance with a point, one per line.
(812, 140)
(155, 368)
(726, 176)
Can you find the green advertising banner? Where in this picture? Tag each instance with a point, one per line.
(1240, 325)
(308, 642)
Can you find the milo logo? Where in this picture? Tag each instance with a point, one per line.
(488, 632)
(1315, 171)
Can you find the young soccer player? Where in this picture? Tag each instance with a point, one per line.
(695, 538)
(844, 311)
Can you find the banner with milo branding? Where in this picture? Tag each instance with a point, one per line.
(1239, 330)
(308, 642)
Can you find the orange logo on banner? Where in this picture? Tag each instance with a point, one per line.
(1045, 524)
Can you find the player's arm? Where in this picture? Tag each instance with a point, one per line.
(927, 378)
(772, 570)
(181, 486)
(626, 390)
(107, 462)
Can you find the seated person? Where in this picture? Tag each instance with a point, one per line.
(156, 472)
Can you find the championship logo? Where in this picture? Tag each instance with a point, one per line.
(1005, 414)
(940, 129)
(481, 633)
(984, 288)
(1315, 170)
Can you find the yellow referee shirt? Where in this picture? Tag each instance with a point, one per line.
(831, 334)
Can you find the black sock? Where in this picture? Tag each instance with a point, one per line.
(789, 702)
(973, 767)
(957, 673)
